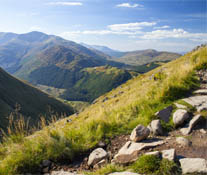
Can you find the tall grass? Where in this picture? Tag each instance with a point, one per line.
(136, 102)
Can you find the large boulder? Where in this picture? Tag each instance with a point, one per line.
(156, 127)
(180, 116)
(139, 133)
(96, 156)
(193, 122)
(165, 113)
(193, 165)
(129, 152)
(169, 154)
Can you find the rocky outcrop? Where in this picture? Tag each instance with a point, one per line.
(169, 154)
(187, 130)
(96, 156)
(193, 165)
(155, 127)
(139, 133)
(129, 152)
(165, 113)
(180, 116)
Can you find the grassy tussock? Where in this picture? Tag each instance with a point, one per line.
(134, 102)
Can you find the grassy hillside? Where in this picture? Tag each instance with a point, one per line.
(118, 111)
(146, 56)
(32, 101)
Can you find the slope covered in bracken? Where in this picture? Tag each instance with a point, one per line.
(114, 113)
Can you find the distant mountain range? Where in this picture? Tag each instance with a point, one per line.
(135, 58)
(51, 61)
(32, 101)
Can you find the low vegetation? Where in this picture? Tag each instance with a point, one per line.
(117, 112)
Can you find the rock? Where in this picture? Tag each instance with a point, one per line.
(156, 127)
(62, 173)
(180, 106)
(139, 133)
(165, 113)
(100, 164)
(180, 116)
(202, 108)
(96, 156)
(46, 163)
(154, 153)
(201, 92)
(203, 131)
(183, 141)
(193, 165)
(124, 173)
(192, 124)
(169, 154)
(129, 152)
(197, 101)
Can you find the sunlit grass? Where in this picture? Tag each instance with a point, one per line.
(134, 102)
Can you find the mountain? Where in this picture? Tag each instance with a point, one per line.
(109, 121)
(106, 50)
(48, 60)
(32, 101)
(147, 56)
(135, 58)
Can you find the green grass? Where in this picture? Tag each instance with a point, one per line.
(141, 97)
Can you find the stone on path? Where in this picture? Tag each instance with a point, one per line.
(193, 165)
(129, 152)
(169, 154)
(180, 116)
(165, 113)
(156, 127)
(201, 92)
(197, 101)
(139, 133)
(192, 124)
(96, 156)
(183, 141)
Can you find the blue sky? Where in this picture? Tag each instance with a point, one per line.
(172, 25)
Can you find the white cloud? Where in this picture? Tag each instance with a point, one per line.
(175, 33)
(162, 27)
(130, 26)
(128, 5)
(66, 3)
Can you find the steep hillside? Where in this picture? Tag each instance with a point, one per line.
(32, 101)
(146, 56)
(115, 113)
